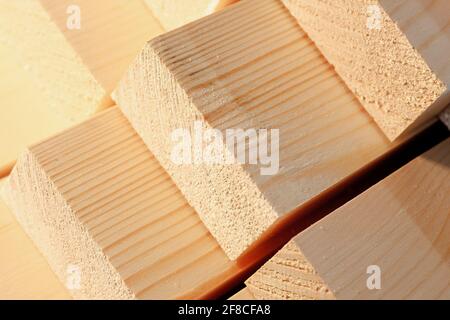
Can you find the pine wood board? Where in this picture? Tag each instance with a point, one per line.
(253, 68)
(392, 54)
(21, 262)
(400, 225)
(112, 33)
(58, 76)
(24, 111)
(95, 197)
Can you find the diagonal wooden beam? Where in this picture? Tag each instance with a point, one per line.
(392, 54)
(59, 63)
(400, 227)
(94, 199)
(254, 68)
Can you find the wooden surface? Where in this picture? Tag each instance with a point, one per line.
(244, 294)
(426, 24)
(110, 37)
(24, 109)
(127, 221)
(254, 68)
(176, 13)
(391, 54)
(24, 273)
(288, 276)
(400, 225)
(53, 77)
(125, 224)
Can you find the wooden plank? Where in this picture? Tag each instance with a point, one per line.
(288, 276)
(392, 54)
(21, 262)
(58, 75)
(400, 225)
(25, 108)
(254, 68)
(176, 13)
(96, 199)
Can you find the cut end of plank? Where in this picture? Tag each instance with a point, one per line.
(288, 276)
(249, 67)
(60, 61)
(106, 215)
(390, 242)
(64, 241)
(383, 66)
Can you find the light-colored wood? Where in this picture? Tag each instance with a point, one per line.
(24, 112)
(392, 54)
(95, 198)
(288, 276)
(112, 33)
(24, 273)
(249, 66)
(401, 225)
(176, 13)
(243, 295)
(52, 76)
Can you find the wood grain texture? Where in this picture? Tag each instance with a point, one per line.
(112, 33)
(426, 24)
(391, 54)
(57, 76)
(176, 13)
(249, 66)
(94, 197)
(288, 276)
(21, 262)
(400, 225)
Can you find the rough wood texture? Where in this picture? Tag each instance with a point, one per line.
(248, 66)
(21, 262)
(176, 13)
(288, 276)
(53, 76)
(94, 197)
(401, 225)
(392, 54)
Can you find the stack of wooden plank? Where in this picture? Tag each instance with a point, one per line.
(58, 77)
(340, 189)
